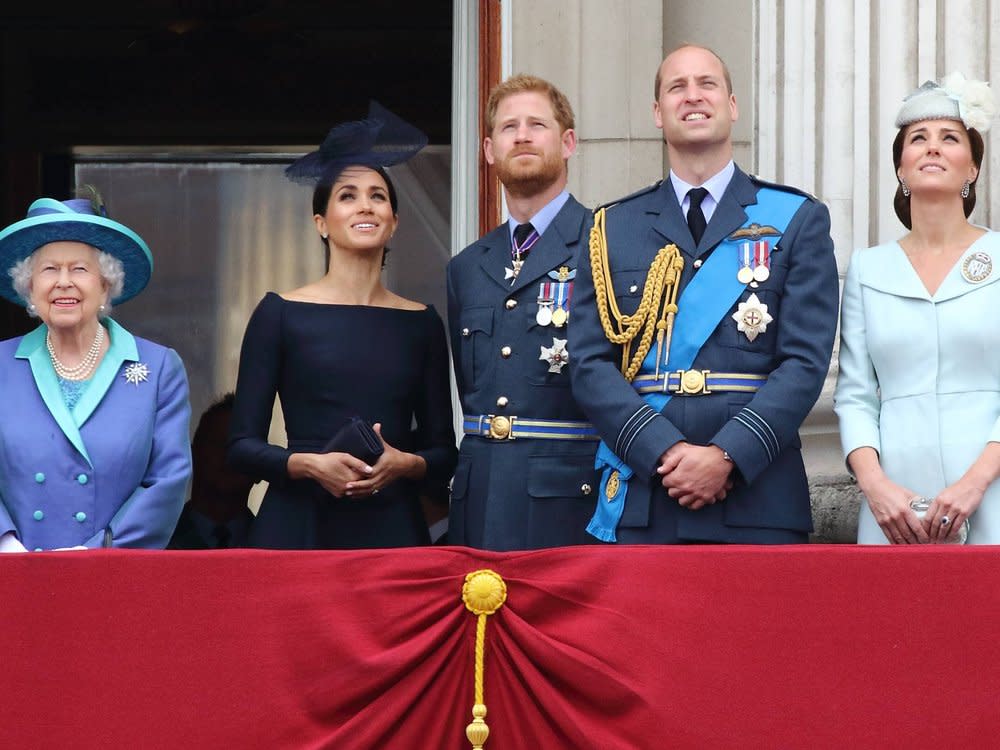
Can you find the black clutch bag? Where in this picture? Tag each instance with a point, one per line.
(358, 439)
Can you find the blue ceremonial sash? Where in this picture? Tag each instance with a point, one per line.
(702, 305)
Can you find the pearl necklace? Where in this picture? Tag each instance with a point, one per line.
(83, 370)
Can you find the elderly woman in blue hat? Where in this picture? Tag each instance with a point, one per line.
(343, 347)
(94, 421)
(918, 392)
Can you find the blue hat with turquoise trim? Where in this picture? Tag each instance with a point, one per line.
(76, 220)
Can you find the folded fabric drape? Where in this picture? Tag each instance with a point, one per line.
(617, 648)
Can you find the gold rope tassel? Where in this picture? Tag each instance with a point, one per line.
(657, 307)
(483, 592)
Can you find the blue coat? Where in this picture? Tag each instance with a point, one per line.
(524, 493)
(770, 500)
(121, 460)
(919, 377)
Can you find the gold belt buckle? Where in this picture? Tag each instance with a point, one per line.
(692, 382)
(501, 428)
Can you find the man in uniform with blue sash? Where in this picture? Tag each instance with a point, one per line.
(525, 477)
(705, 316)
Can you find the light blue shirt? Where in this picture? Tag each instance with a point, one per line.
(544, 217)
(715, 185)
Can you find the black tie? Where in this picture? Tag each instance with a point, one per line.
(696, 219)
(521, 234)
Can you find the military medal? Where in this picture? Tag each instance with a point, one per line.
(556, 355)
(762, 261)
(977, 267)
(752, 317)
(745, 274)
(518, 252)
(545, 301)
(544, 315)
(563, 290)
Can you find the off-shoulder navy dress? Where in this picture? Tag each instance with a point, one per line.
(328, 363)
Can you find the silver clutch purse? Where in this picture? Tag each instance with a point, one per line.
(920, 505)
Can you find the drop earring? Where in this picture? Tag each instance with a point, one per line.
(904, 187)
(965, 189)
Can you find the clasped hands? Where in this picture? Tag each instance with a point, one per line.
(695, 475)
(343, 475)
(890, 504)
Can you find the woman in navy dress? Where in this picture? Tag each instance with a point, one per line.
(340, 347)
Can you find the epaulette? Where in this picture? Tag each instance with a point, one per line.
(630, 196)
(786, 188)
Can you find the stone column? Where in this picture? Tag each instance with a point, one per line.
(603, 55)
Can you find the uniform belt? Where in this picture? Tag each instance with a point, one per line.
(699, 382)
(503, 427)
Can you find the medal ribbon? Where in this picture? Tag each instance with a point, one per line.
(762, 254)
(561, 296)
(516, 251)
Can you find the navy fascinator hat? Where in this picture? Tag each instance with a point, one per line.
(380, 140)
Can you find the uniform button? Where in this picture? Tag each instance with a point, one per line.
(81, 478)
(585, 488)
(465, 331)
(505, 352)
(39, 477)
(511, 304)
(81, 516)
(697, 263)
(633, 289)
(38, 515)
(502, 401)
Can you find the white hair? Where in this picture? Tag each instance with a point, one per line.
(112, 272)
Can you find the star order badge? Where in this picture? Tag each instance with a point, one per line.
(556, 355)
(752, 317)
(136, 373)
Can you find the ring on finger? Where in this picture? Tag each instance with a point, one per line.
(945, 520)
(375, 491)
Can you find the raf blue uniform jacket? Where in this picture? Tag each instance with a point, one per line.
(524, 493)
(759, 431)
(120, 460)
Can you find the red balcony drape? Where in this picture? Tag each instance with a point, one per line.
(596, 647)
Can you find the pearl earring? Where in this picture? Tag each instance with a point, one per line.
(324, 235)
(32, 309)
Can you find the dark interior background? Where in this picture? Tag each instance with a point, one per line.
(176, 74)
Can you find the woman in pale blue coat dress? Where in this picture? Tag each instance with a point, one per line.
(94, 446)
(918, 392)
